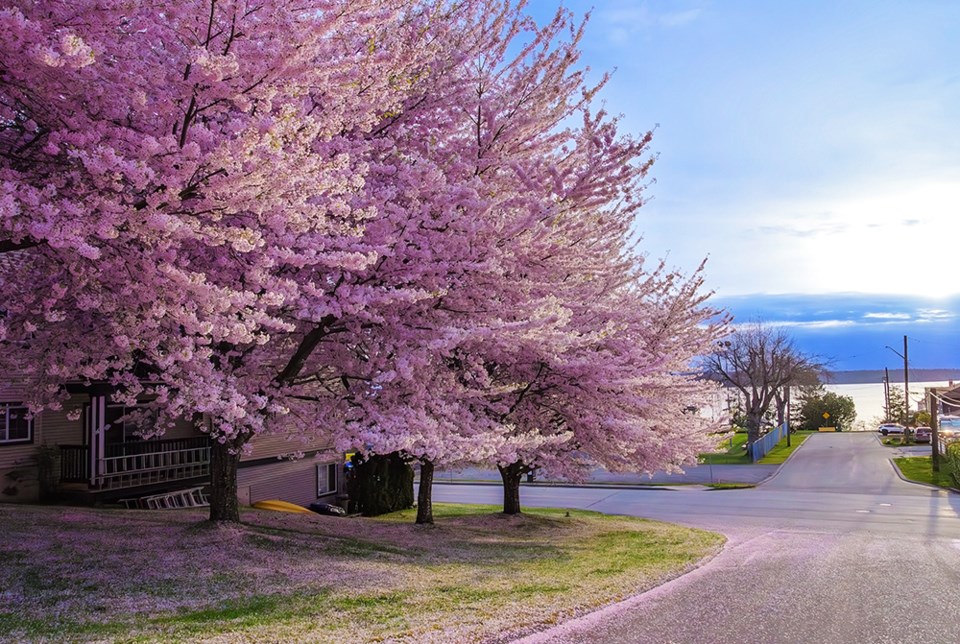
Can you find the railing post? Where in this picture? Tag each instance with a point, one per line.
(96, 416)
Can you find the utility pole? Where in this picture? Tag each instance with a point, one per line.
(906, 389)
(886, 394)
(933, 405)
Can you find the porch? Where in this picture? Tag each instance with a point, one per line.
(135, 464)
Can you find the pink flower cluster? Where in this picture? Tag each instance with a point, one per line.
(397, 223)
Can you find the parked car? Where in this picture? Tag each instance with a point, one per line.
(921, 434)
(890, 428)
(949, 427)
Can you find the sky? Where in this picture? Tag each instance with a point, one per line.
(810, 151)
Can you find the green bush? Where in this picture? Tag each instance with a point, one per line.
(380, 484)
(952, 459)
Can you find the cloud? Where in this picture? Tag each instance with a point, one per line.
(679, 18)
(853, 329)
(803, 233)
(804, 324)
(936, 314)
(638, 17)
(887, 316)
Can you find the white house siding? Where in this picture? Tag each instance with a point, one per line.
(294, 481)
(278, 444)
(185, 428)
(19, 474)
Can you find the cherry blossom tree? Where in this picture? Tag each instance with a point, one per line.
(397, 223)
(554, 347)
(168, 170)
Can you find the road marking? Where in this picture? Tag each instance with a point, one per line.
(864, 511)
(885, 505)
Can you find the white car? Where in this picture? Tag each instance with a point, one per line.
(890, 428)
(949, 427)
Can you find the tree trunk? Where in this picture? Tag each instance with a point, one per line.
(224, 505)
(781, 403)
(425, 493)
(511, 475)
(753, 427)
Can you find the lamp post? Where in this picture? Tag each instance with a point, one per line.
(906, 386)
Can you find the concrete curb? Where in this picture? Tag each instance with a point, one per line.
(921, 483)
(598, 486)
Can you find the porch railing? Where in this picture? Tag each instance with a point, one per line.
(134, 464)
(74, 463)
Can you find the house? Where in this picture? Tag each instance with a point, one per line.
(91, 451)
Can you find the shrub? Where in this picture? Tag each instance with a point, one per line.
(952, 459)
(380, 484)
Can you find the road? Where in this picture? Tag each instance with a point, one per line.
(834, 548)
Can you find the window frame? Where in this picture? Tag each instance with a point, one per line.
(326, 473)
(5, 439)
(122, 432)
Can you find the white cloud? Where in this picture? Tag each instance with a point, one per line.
(679, 18)
(887, 316)
(801, 324)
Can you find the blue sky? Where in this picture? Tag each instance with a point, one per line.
(810, 150)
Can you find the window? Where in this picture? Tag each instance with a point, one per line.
(15, 424)
(326, 478)
(126, 424)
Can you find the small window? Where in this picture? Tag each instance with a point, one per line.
(16, 426)
(326, 478)
(129, 424)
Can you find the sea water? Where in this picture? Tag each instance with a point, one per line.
(869, 399)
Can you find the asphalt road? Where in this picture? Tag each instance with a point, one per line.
(835, 548)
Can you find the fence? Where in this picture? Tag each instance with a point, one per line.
(137, 463)
(760, 447)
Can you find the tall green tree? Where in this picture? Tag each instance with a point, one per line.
(896, 409)
(841, 411)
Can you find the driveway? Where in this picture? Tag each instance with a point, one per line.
(834, 548)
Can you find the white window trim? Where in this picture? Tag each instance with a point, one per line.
(5, 425)
(325, 473)
(125, 434)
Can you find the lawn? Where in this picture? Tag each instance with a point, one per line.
(780, 453)
(731, 454)
(83, 574)
(920, 469)
(735, 454)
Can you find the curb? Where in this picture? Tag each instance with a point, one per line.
(929, 485)
(598, 486)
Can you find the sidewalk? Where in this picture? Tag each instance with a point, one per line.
(695, 475)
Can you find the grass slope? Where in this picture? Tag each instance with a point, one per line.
(734, 453)
(920, 469)
(80, 575)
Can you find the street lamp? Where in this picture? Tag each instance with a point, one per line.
(906, 386)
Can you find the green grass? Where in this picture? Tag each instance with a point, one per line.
(780, 453)
(734, 453)
(473, 576)
(920, 469)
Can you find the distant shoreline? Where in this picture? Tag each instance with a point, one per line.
(869, 376)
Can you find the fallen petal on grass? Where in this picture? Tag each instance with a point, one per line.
(478, 576)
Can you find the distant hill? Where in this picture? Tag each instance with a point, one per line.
(896, 375)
